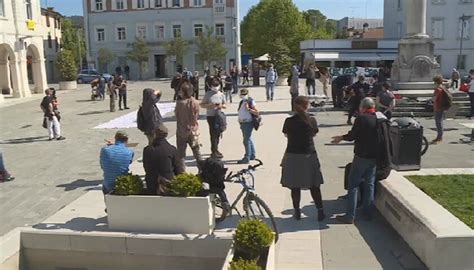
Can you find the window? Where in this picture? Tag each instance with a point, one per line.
(197, 3)
(158, 3)
(2, 9)
(100, 34)
(121, 33)
(465, 1)
(50, 42)
(176, 31)
(99, 5)
(176, 3)
(56, 44)
(462, 61)
(463, 29)
(119, 5)
(220, 30)
(141, 31)
(219, 1)
(140, 3)
(437, 28)
(47, 20)
(198, 28)
(55, 23)
(29, 10)
(160, 31)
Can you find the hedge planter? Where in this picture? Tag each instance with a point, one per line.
(67, 85)
(266, 260)
(157, 214)
(282, 81)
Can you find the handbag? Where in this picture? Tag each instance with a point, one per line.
(163, 187)
(45, 123)
(256, 121)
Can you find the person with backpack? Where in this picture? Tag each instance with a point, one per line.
(149, 116)
(175, 85)
(270, 80)
(228, 85)
(385, 100)
(442, 101)
(247, 109)
(187, 127)
(214, 101)
(363, 169)
(311, 80)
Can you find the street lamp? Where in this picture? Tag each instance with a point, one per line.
(463, 18)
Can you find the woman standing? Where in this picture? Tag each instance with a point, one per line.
(300, 165)
(151, 113)
(440, 93)
(294, 85)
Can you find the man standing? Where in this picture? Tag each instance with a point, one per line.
(214, 101)
(337, 90)
(235, 79)
(115, 160)
(175, 84)
(228, 84)
(357, 92)
(270, 80)
(195, 83)
(311, 80)
(440, 97)
(150, 118)
(386, 101)
(101, 87)
(126, 70)
(364, 135)
(455, 79)
(112, 94)
(187, 115)
(294, 85)
(247, 108)
(52, 122)
(121, 85)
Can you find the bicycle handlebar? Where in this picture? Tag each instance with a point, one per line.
(243, 171)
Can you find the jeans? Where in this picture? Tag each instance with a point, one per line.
(471, 99)
(235, 86)
(54, 127)
(2, 165)
(362, 170)
(438, 116)
(228, 95)
(215, 134)
(247, 128)
(122, 99)
(270, 87)
(293, 96)
(311, 83)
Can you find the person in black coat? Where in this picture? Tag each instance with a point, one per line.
(151, 112)
(358, 92)
(337, 89)
(160, 160)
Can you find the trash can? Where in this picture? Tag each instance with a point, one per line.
(407, 136)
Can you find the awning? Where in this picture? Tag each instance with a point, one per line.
(265, 57)
(336, 56)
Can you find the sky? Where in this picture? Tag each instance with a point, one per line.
(333, 9)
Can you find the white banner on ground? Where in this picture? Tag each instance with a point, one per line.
(129, 120)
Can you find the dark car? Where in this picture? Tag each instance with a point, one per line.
(88, 75)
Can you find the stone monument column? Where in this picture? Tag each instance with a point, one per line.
(416, 18)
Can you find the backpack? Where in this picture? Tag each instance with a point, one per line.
(446, 99)
(221, 121)
(384, 148)
(212, 171)
(256, 119)
(141, 120)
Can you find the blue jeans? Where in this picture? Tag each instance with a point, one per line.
(362, 170)
(438, 116)
(270, 87)
(247, 128)
(2, 165)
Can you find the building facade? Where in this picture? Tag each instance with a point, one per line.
(21, 48)
(358, 23)
(51, 22)
(115, 24)
(444, 25)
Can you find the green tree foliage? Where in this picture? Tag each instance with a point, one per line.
(270, 20)
(322, 28)
(252, 236)
(105, 56)
(177, 47)
(242, 264)
(209, 47)
(73, 41)
(279, 55)
(186, 185)
(66, 65)
(139, 54)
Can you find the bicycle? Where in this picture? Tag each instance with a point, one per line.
(254, 207)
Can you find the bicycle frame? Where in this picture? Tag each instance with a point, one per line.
(246, 189)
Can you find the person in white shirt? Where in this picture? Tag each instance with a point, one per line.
(247, 108)
(270, 80)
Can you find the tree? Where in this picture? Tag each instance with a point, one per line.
(66, 65)
(279, 56)
(73, 41)
(177, 47)
(270, 20)
(139, 54)
(105, 56)
(209, 47)
(322, 28)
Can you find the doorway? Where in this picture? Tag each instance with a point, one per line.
(160, 62)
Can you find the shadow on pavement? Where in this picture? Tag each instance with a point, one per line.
(85, 100)
(81, 224)
(93, 112)
(26, 140)
(79, 183)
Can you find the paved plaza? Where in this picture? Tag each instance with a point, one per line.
(49, 175)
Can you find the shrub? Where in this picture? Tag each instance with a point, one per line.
(242, 264)
(252, 237)
(128, 184)
(66, 65)
(186, 185)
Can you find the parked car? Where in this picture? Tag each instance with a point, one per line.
(88, 75)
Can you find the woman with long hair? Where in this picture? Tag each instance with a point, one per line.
(300, 165)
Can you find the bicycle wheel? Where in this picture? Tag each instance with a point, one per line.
(256, 208)
(424, 145)
(221, 208)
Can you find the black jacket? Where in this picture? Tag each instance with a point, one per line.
(151, 113)
(364, 135)
(160, 159)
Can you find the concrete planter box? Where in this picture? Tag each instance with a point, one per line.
(156, 214)
(270, 265)
(282, 81)
(437, 237)
(67, 85)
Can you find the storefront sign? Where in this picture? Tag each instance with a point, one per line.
(30, 24)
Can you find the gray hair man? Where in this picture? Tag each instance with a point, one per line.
(364, 134)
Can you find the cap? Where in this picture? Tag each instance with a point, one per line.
(244, 91)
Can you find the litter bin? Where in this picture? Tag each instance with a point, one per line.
(407, 136)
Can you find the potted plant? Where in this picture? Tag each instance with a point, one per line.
(67, 70)
(254, 246)
(181, 211)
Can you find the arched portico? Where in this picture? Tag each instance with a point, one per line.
(36, 71)
(9, 75)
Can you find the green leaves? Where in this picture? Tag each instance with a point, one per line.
(242, 264)
(105, 56)
(66, 65)
(252, 237)
(186, 185)
(73, 40)
(209, 47)
(279, 56)
(128, 184)
(177, 47)
(139, 53)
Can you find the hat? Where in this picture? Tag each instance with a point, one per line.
(121, 136)
(244, 91)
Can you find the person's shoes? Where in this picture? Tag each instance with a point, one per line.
(349, 122)
(243, 161)
(297, 214)
(50, 139)
(345, 219)
(252, 158)
(217, 155)
(61, 138)
(121, 109)
(321, 215)
(126, 108)
(436, 141)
